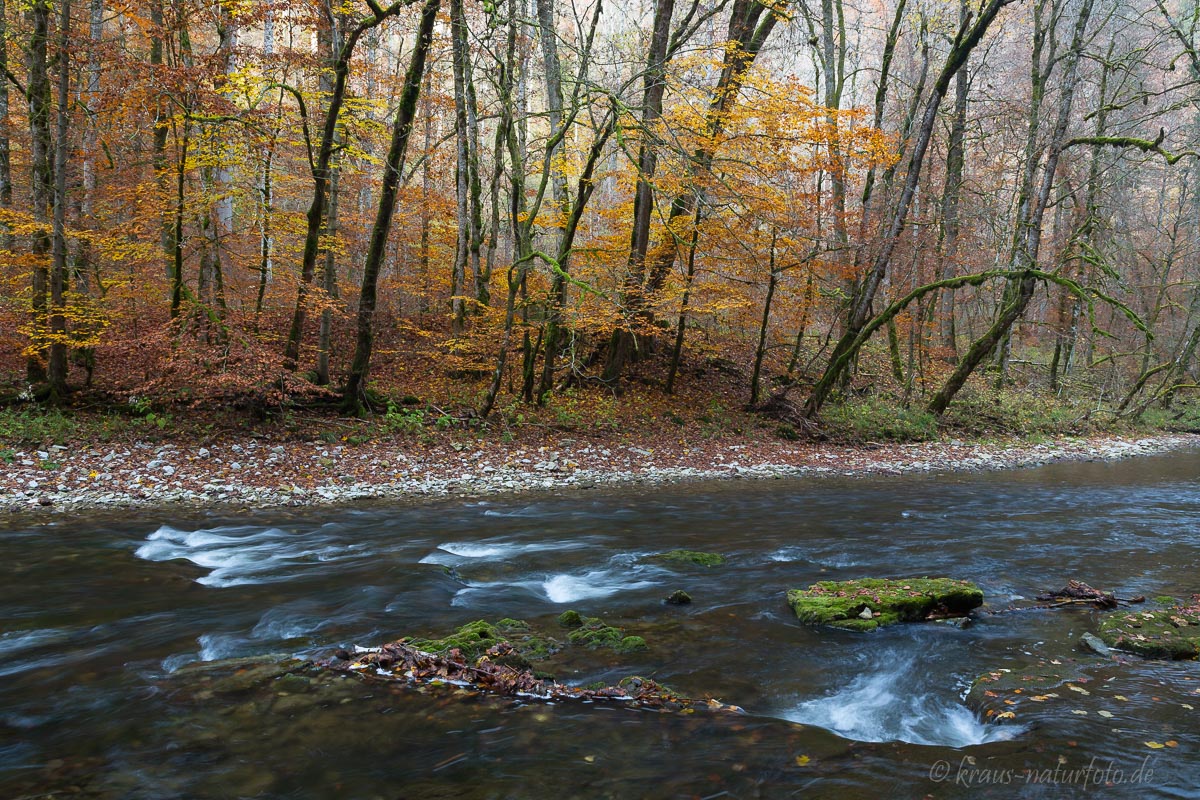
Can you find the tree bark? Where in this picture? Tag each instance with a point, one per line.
(393, 171)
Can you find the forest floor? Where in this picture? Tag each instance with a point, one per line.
(115, 449)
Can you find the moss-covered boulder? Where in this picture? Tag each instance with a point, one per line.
(693, 557)
(1171, 633)
(870, 603)
(594, 632)
(475, 638)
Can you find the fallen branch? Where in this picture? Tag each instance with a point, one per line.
(398, 661)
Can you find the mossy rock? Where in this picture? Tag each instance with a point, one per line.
(693, 557)
(870, 603)
(593, 632)
(570, 619)
(1168, 633)
(475, 638)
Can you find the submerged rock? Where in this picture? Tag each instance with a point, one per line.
(1094, 643)
(1169, 633)
(870, 603)
(693, 557)
(679, 598)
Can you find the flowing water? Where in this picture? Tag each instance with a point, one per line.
(105, 616)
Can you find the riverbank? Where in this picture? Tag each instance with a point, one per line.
(257, 472)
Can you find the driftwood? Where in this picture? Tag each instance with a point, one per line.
(398, 661)
(1079, 593)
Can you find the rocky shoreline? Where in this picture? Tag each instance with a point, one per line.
(257, 473)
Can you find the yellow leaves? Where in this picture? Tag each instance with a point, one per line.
(1154, 745)
(802, 761)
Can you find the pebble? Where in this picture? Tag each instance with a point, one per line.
(555, 467)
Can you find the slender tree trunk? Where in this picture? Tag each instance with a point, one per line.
(42, 157)
(321, 176)
(964, 42)
(624, 341)
(462, 138)
(547, 30)
(6, 187)
(1030, 231)
(761, 349)
(393, 171)
(58, 274)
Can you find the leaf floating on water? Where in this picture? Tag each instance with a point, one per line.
(1105, 714)
(1171, 743)
(1155, 745)
(1189, 708)
(1006, 715)
(1079, 711)
(802, 761)
(1039, 698)
(1121, 697)
(590, 759)
(1079, 689)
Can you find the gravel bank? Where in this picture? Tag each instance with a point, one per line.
(255, 473)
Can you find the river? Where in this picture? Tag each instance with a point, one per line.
(103, 614)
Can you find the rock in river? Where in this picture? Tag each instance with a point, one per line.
(869, 603)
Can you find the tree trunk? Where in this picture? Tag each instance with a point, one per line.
(321, 176)
(1029, 230)
(624, 341)
(964, 42)
(393, 171)
(41, 156)
(58, 274)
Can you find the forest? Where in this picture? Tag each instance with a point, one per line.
(512, 204)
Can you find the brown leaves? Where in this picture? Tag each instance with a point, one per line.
(398, 661)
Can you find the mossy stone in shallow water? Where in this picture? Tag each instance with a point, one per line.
(570, 619)
(1170, 633)
(693, 557)
(870, 603)
(594, 632)
(475, 638)
(679, 598)
(630, 644)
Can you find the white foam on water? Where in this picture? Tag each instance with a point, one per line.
(877, 707)
(563, 587)
(452, 553)
(568, 588)
(13, 642)
(216, 646)
(283, 625)
(244, 555)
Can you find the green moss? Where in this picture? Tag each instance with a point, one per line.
(1166, 600)
(1170, 633)
(593, 632)
(870, 603)
(570, 619)
(475, 638)
(693, 557)
(630, 644)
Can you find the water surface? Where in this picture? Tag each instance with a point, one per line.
(100, 610)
